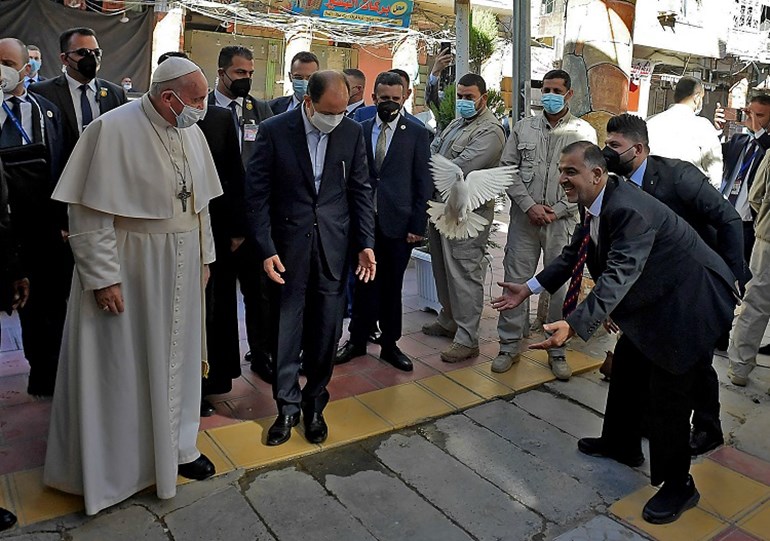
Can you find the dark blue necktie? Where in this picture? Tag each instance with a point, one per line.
(85, 106)
(11, 136)
(573, 292)
(234, 111)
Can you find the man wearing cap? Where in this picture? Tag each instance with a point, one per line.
(126, 408)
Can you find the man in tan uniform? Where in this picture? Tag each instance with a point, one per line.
(542, 220)
(474, 141)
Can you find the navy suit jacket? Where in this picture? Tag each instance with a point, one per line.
(669, 293)
(57, 91)
(403, 185)
(284, 208)
(731, 153)
(687, 191)
(281, 104)
(370, 111)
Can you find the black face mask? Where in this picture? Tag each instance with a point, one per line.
(388, 110)
(240, 87)
(614, 165)
(87, 65)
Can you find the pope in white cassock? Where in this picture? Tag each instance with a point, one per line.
(127, 401)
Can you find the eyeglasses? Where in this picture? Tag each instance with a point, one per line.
(83, 51)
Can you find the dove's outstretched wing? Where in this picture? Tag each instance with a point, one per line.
(487, 184)
(445, 174)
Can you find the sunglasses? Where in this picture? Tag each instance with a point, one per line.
(83, 51)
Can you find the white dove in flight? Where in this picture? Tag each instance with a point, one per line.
(454, 218)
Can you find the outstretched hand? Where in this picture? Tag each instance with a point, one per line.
(513, 295)
(558, 333)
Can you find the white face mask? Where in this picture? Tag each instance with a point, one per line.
(9, 79)
(325, 123)
(189, 115)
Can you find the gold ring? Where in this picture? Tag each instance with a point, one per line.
(105, 307)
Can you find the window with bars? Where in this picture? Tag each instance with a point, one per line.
(547, 7)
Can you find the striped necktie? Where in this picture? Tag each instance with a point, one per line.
(573, 292)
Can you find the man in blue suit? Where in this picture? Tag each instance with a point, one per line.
(370, 111)
(742, 155)
(397, 151)
(309, 202)
(303, 65)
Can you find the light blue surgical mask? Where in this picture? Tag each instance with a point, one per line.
(466, 108)
(35, 65)
(552, 103)
(300, 88)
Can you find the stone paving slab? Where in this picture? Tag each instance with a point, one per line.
(133, 523)
(609, 479)
(225, 515)
(588, 392)
(387, 506)
(561, 413)
(295, 506)
(601, 528)
(390, 510)
(485, 511)
(522, 475)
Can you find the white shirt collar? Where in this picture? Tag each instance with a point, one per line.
(353, 106)
(759, 133)
(22, 98)
(309, 128)
(596, 207)
(392, 124)
(224, 101)
(75, 85)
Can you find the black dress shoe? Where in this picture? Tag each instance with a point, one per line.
(397, 358)
(7, 519)
(316, 430)
(207, 408)
(262, 365)
(764, 350)
(671, 500)
(280, 432)
(349, 351)
(199, 469)
(597, 447)
(702, 442)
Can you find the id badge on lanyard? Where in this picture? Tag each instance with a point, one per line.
(16, 123)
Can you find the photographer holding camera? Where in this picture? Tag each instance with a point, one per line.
(742, 155)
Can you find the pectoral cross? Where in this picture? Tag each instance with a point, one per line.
(183, 196)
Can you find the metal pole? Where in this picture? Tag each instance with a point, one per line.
(516, 100)
(462, 31)
(525, 54)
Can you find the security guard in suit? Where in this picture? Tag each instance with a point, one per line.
(235, 69)
(30, 147)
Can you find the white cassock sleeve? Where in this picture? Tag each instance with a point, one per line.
(94, 246)
(208, 252)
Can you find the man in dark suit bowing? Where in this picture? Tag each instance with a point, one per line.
(310, 203)
(687, 191)
(653, 272)
(30, 145)
(78, 93)
(240, 262)
(398, 151)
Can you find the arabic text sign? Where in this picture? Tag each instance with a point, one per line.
(372, 12)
